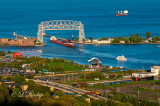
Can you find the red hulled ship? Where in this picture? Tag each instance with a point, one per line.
(63, 42)
(122, 13)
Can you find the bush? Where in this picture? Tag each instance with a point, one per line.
(19, 79)
(59, 68)
(9, 78)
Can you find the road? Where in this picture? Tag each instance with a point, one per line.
(56, 75)
(67, 88)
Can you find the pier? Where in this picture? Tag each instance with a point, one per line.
(19, 36)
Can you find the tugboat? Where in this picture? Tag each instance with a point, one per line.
(122, 13)
(121, 58)
(66, 43)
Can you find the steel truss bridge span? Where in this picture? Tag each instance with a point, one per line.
(60, 25)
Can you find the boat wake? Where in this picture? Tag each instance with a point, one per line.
(98, 54)
(110, 56)
(135, 60)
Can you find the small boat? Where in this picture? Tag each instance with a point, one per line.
(122, 13)
(121, 58)
(158, 46)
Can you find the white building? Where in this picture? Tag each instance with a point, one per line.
(122, 41)
(155, 70)
(90, 70)
(100, 41)
(103, 41)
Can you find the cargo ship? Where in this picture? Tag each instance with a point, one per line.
(66, 43)
(122, 13)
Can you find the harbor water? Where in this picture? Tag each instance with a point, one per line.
(98, 17)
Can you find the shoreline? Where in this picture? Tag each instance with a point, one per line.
(115, 43)
(22, 45)
(16, 46)
(86, 44)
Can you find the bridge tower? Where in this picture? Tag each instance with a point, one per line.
(60, 25)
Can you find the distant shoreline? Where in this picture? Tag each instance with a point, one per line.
(86, 44)
(115, 43)
(15, 46)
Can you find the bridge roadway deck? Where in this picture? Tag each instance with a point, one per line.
(67, 88)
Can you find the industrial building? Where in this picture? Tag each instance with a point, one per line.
(20, 42)
(154, 72)
(30, 53)
(17, 54)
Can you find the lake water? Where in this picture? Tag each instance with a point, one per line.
(98, 17)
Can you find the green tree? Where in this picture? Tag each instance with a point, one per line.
(93, 75)
(71, 61)
(112, 37)
(138, 35)
(18, 87)
(148, 35)
(4, 93)
(83, 40)
(31, 85)
(77, 38)
(126, 39)
(19, 79)
(98, 103)
(9, 78)
(103, 38)
(59, 68)
(2, 53)
(90, 38)
(131, 35)
(118, 39)
(155, 39)
(1, 77)
(85, 95)
(9, 52)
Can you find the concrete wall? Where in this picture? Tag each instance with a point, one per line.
(23, 42)
(30, 53)
(158, 67)
(102, 42)
(155, 70)
(3, 40)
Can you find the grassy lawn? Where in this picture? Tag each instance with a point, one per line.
(66, 66)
